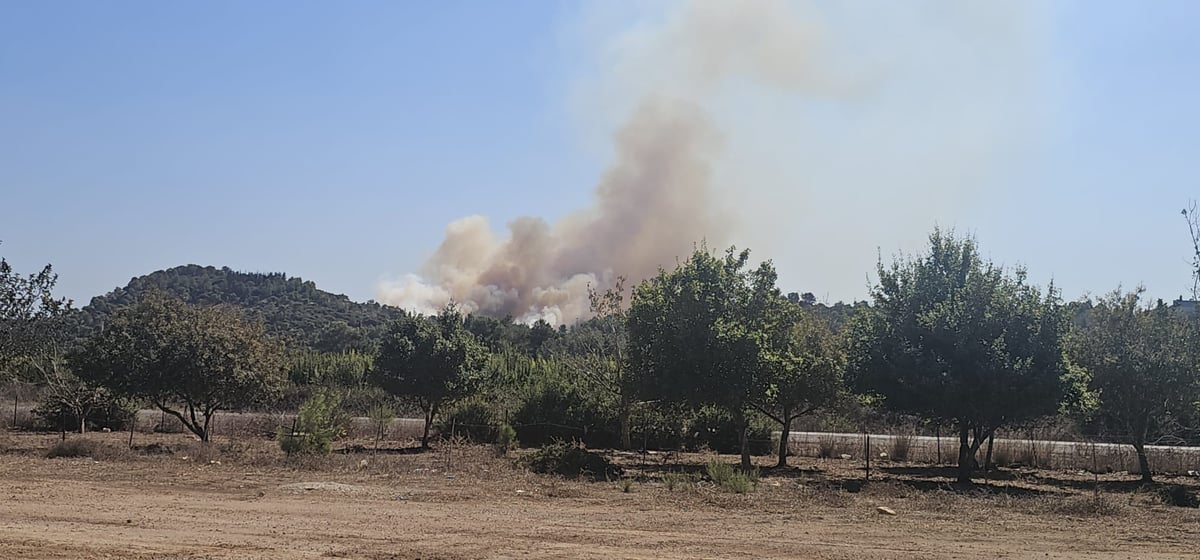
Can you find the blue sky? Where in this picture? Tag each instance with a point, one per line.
(335, 141)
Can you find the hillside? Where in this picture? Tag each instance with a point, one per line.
(289, 306)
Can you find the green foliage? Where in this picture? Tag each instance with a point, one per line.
(103, 411)
(715, 429)
(334, 369)
(673, 480)
(802, 368)
(29, 313)
(189, 361)
(319, 422)
(699, 333)
(953, 337)
(432, 361)
(1143, 365)
(506, 439)
(471, 418)
(570, 460)
(725, 476)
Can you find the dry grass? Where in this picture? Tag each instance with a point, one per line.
(901, 446)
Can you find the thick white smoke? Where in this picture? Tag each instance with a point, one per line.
(809, 129)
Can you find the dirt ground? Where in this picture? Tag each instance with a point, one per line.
(244, 500)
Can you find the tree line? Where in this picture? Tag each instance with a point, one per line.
(708, 353)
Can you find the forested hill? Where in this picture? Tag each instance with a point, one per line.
(290, 306)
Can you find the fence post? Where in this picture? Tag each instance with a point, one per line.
(867, 433)
(937, 431)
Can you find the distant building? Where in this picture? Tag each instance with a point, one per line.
(1189, 306)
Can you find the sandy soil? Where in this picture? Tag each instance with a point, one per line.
(228, 502)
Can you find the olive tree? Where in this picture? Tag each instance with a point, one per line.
(1143, 364)
(431, 360)
(189, 361)
(801, 371)
(28, 313)
(954, 338)
(697, 333)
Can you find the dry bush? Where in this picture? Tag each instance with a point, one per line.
(831, 447)
(77, 447)
(901, 446)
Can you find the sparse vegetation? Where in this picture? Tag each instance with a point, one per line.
(901, 446)
(726, 477)
(77, 447)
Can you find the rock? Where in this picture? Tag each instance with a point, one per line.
(362, 464)
(845, 457)
(883, 455)
(105, 430)
(885, 510)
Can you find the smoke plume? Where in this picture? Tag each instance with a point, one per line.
(755, 121)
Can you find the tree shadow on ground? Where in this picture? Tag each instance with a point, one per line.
(364, 450)
(948, 472)
(929, 486)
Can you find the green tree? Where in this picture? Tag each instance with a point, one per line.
(431, 360)
(596, 351)
(697, 333)
(65, 393)
(318, 423)
(29, 313)
(801, 372)
(1143, 365)
(190, 361)
(954, 338)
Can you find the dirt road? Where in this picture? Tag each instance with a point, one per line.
(405, 508)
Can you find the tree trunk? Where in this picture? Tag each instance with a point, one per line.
(1139, 445)
(785, 434)
(987, 462)
(82, 423)
(743, 425)
(966, 456)
(428, 422)
(1143, 462)
(624, 417)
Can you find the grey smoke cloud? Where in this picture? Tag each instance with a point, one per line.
(817, 132)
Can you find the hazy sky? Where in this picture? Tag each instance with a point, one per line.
(336, 141)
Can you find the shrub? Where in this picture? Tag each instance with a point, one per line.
(627, 485)
(673, 480)
(728, 478)
(318, 424)
(107, 412)
(470, 418)
(554, 410)
(713, 428)
(506, 439)
(570, 460)
(1178, 495)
